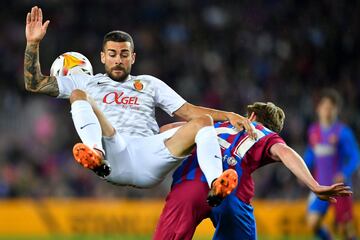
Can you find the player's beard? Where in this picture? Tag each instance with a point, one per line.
(118, 77)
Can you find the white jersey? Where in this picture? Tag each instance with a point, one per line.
(129, 105)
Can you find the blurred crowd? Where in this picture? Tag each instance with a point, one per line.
(220, 54)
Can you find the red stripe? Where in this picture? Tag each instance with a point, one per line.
(231, 138)
(224, 124)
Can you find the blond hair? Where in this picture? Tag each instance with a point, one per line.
(268, 114)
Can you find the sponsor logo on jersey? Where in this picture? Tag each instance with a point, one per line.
(324, 150)
(138, 85)
(120, 98)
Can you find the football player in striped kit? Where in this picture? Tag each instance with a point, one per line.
(333, 156)
(233, 218)
(114, 115)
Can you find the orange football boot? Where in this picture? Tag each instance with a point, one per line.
(86, 156)
(90, 158)
(222, 187)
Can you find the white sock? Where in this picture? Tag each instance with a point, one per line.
(209, 153)
(87, 124)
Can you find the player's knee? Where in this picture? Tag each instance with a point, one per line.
(76, 95)
(203, 121)
(313, 222)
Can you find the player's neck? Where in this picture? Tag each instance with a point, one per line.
(128, 77)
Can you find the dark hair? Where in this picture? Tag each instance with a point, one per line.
(332, 95)
(118, 36)
(268, 114)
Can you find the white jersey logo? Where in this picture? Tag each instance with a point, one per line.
(120, 98)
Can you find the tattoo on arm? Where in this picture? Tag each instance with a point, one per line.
(34, 80)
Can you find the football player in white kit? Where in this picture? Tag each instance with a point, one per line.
(114, 115)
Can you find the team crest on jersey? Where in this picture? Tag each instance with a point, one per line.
(138, 85)
(231, 161)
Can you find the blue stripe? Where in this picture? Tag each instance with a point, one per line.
(192, 169)
(217, 124)
(225, 166)
(238, 168)
(228, 151)
(265, 131)
(203, 179)
(176, 182)
(224, 136)
(179, 171)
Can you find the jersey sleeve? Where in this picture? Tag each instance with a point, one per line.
(166, 98)
(349, 152)
(273, 139)
(69, 83)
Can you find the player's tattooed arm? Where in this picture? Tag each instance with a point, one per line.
(35, 31)
(35, 81)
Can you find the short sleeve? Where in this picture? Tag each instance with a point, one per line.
(166, 98)
(272, 139)
(69, 83)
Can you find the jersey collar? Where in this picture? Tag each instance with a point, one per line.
(127, 79)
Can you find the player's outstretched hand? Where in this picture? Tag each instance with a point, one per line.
(35, 29)
(241, 123)
(328, 193)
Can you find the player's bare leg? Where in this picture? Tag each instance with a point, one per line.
(183, 141)
(349, 230)
(91, 125)
(315, 223)
(200, 131)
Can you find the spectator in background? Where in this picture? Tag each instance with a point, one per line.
(333, 156)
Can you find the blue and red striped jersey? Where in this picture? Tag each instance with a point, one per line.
(239, 152)
(331, 151)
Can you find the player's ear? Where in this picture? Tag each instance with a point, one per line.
(252, 117)
(102, 57)
(133, 58)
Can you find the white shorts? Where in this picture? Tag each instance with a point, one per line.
(139, 161)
